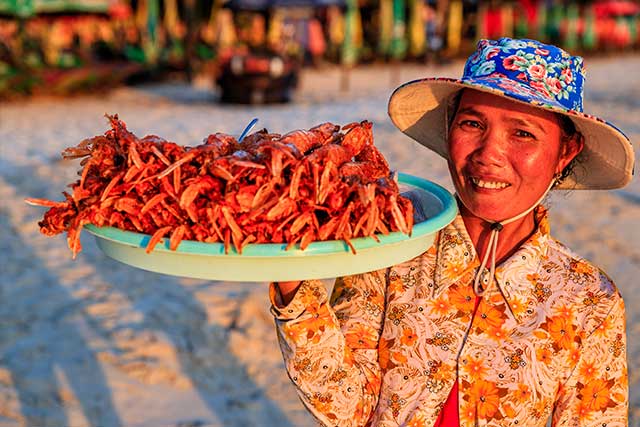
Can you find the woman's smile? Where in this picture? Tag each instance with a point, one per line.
(488, 184)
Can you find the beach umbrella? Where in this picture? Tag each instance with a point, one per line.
(171, 18)
(481, 21)
(335, 22)
(352, 34)
(506, 15)
(386, 27)
(153, 42)
(616, 8)
(554, 22)
(417, 40)
(454, 27)
(589, 37)
(571, 27)
(541, 22)
(398, 39)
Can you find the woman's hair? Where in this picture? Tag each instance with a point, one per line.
(568, 130)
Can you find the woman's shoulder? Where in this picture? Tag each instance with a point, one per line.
(583, 286)
(585, 282)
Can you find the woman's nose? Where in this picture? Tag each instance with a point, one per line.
(491, 149)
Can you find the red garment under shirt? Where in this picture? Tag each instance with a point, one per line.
(449, 415)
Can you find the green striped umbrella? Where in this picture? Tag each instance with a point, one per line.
(399, 39)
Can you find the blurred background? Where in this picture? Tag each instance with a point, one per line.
(92, 342)
(253, 50)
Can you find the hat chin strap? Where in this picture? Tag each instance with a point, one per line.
(496, 227)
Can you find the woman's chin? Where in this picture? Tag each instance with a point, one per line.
(491, 206)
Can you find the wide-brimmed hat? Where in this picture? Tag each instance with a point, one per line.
(543, 76)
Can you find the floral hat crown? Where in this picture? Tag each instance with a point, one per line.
(531, 71)
(541, 75)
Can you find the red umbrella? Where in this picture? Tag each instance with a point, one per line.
(616, 8)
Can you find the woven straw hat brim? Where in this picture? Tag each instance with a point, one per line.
(418, 109)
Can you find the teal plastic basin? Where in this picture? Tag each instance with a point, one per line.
(271, 262)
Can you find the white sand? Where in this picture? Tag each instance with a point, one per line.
(93, 342)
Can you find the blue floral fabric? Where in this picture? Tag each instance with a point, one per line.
(528, 70)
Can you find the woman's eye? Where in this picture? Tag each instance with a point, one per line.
(524, 134)
(470, 124)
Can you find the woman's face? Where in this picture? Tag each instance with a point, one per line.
(503, 154)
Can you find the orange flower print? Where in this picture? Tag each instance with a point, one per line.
(399, 357)
(395, 286)
(517, 305)
(574, 357)
(562, 332)
(338, 376)
(440, 306)
(565, 311)
(395, 403)
(462, 298)
(302, 365)
(591, 299)
(588, 369)
(440, 340)
(384, 353)
(317, 323)
(540, 292)
(396, 314)
(295, 331)
(467, 414)
(544, 355)
(475, 368)
(580, 267)
(617, 347)
(488, 316)
(408, 337)
(496, 334)
(515, 359)
(453, 268)
(362, 336)
(595, 395)
(417, 420)
(523, 394)
(486, 396)
(322, 402)
(604, 327)
(508, 410)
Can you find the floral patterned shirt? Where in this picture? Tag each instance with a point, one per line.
(547, 340)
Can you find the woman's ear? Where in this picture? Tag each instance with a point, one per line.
(571, 147)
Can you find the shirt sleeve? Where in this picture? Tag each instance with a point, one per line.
(330, 347)
(596, 393)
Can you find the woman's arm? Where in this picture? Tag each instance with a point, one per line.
(330, 349)
(597, 393)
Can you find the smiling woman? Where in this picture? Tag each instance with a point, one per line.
(503, 157)
(497, 323)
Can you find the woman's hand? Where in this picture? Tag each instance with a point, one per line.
(288, 290)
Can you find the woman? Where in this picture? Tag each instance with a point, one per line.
(496, 324)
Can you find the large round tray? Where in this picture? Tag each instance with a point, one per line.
(271, 262)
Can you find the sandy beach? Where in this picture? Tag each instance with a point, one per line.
(92, 342)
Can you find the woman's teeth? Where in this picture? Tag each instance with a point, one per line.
(489, 184)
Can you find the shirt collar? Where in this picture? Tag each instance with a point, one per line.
(457, 262)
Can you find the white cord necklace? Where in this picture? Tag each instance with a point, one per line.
(496, 227)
